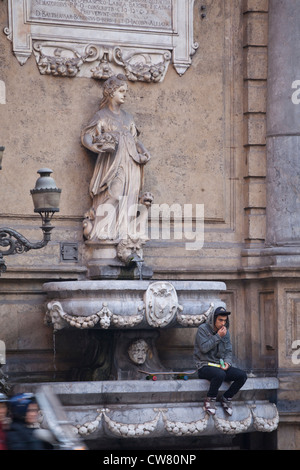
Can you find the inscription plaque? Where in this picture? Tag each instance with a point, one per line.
(98, 38)
(156, 14)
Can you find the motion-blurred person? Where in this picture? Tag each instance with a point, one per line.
(22, 434)
(3, 421)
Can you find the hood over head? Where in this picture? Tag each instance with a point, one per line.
(213, 315)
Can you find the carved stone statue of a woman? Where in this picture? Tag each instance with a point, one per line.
(118, 174)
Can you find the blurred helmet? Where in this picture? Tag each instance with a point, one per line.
(19, 404)
(3, 398)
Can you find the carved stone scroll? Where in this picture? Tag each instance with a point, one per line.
(102, 38)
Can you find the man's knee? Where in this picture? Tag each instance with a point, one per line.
(241, 376)
(235, 374)
(220, 374)
(244, 376)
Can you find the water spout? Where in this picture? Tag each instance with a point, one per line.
(140, 268)
(135, 259)
(54, 355)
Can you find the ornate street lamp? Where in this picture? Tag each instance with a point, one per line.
(45, 197)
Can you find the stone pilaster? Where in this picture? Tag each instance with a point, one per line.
(282, 252)
(283, 135)
(255, 41)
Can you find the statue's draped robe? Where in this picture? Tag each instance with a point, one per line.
(117, 177)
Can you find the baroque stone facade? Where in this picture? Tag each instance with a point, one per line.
(223, 135)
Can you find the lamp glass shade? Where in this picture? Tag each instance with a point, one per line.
(45, 195)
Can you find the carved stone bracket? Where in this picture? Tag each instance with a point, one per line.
(75, 38)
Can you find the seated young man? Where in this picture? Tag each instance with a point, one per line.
(213, 357)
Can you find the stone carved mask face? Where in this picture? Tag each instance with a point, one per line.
(137, 351)
(127, 248)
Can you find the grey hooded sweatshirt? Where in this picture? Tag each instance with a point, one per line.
(209, 346)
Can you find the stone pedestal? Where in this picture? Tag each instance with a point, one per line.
(103, 263)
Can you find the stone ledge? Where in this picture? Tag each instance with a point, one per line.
(147, 392)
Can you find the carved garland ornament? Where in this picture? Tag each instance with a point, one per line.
(194, 320)
(179, 428)
(56, 315)
(233, 427)
(266, 424)
(67, 61)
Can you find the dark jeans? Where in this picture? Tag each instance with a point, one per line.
(216, 376)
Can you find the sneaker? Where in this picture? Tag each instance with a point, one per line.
(227, 405)
(209, 405)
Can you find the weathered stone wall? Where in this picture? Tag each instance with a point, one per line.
(193, 127)
(206, 131)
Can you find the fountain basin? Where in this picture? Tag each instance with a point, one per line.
(103, 413)
(130, 304)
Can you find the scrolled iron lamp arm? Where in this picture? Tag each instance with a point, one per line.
(15, 242)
